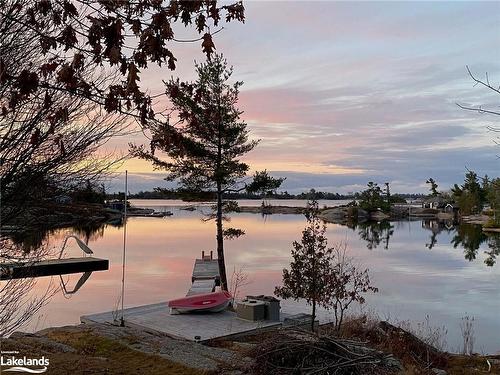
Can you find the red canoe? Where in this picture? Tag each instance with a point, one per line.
(210, 302)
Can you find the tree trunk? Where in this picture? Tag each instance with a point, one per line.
(220, 241)
(340, 320)
(313, 317)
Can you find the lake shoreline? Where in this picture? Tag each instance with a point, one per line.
(408, 241)
(134, 350)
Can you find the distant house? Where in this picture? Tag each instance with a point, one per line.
(451, 208)
(434, 202)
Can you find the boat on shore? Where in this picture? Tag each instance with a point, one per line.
(208, 302)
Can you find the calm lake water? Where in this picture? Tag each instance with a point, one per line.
(421, 267)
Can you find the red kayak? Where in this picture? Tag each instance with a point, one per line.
(209, 302)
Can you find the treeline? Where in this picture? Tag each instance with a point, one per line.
(471, 197)
(171, 194)
(208, 196)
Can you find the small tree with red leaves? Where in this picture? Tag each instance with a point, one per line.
(321, 275)
(310, 267)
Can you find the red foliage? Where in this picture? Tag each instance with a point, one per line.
(103, 33)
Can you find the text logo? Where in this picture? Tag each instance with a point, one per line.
(24, 364)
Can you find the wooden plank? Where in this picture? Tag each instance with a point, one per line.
(206, 269)
(51, 267)
(201, 287)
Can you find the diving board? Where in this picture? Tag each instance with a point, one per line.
(19, 270)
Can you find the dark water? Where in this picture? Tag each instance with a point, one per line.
(420, 267)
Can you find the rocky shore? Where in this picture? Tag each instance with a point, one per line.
(109, 349)
(267, 210)
(49, 215)
(343, 214)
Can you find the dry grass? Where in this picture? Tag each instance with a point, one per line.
(415, 354)
(475, 364)
(95, 355)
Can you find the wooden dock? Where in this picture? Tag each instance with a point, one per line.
(205, 275)
(19, 270)
(199, 327)
(201, 287)
(193, 327)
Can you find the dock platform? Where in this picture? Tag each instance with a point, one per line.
(206, 268)
(51, 267)
(200, 326)
(192, 327)
(201, 287)
(205, 275)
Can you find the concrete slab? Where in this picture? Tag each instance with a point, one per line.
(207, 326)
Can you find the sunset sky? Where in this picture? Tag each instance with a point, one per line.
(344, 93)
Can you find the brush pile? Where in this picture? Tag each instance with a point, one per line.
(307, 353)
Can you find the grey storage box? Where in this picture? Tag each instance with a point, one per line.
(272, 306)
(251, 310)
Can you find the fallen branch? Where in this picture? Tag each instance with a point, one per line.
(304, 352)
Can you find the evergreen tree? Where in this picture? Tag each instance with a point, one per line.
(372, 198)
(388, 193)
(205, 144)
(264, 185)
(433, 188)
(472, 197)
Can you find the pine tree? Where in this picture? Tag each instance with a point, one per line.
(206, 142)
(433, 188)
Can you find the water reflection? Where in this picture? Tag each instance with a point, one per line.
(26, 257)
(468, 237)
(31, 239)
(413, 281)
(374, 233)
(494, 250)
(82, 280)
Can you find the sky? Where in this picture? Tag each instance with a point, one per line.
(342, 93)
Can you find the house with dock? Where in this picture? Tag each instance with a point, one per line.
(441, 204)
(435, 203)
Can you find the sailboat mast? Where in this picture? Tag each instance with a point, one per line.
(122, 321)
